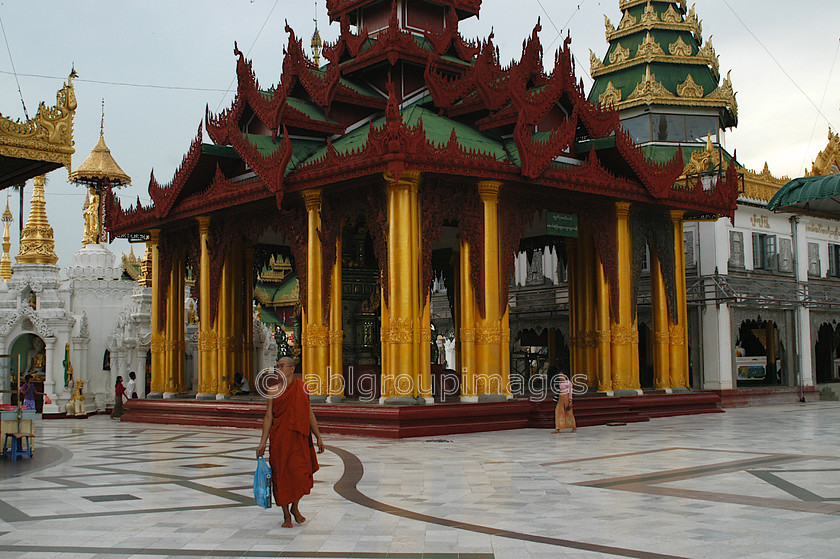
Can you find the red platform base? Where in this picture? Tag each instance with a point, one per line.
(740, 397)
(422, 421)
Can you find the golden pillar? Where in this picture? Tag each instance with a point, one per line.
(677, 331)
(488, 326)
(403, 289)
(158, 340)
(504, 352)
(237, 310)
(206, 334)
(225, 349)
(587, 339)
(466, 331)
(602, 289)
(336, 380)
(174, 330)
(248, 310)
(574, 312)
(316, 340)
(621, 355)
(386, 384)
(661, 339)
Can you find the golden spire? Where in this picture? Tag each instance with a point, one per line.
(5, 260)
(316, 40)
(37, 245)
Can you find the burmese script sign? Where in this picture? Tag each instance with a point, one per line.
(561, 225)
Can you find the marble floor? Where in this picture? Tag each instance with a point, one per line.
(759, 482)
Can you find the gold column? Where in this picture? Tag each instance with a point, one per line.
(248, 311)
(466, 332)
(174, 329)
(206, 334)
(571, 277)
(336, 392)
(316, 341)
(677, 331)
(425, 352)
(487, 329)
(158, 340)
(504, 353)
(586, 258)
(224, 331)
(661, 341)
(237, 310)
(621, 356)
(603, 327)
(180, 321)
(385, 389)
(403, 287)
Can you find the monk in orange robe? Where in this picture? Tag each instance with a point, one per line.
(289, 423)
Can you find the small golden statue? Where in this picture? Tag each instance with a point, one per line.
(76, 405)
(92, 225)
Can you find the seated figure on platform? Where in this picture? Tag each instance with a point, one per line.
(76, 405)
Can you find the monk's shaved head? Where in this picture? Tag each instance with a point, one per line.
(286, 361)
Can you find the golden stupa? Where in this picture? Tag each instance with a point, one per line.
(37, 245)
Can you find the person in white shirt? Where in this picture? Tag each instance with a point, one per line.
(131, 387)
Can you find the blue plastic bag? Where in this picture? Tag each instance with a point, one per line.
(262, 483)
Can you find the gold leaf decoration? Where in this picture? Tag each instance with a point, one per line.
(689, 88)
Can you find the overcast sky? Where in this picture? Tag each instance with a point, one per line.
(158, 64)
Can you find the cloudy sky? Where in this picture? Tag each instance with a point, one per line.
(158, 64)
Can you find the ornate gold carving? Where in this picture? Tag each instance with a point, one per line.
(46, 137)
(385, 334)
(610, 96)
(627, 20)
(505, 335)
(336, 336)
(603, 336)
(408, 179)
(622, 210)
(170, 344)
(157, 343)
(317, 335)
(671, 15)
(37, 245)
(489, 190)
(827, 161)
(649, 89)
(679, 48)
(703, 160)
(677, 334)
(595, 63)
(591, 338)
(661, 338)
(649, 17)
(487, 334)
(689, 88)
(609, 27)
(467, 335)
(649, 47)
(707, 51)
(619, 55)
(402, 330)
(207, 340)
(725, 93)
(425, 335)
(621, 334)
(312, 199)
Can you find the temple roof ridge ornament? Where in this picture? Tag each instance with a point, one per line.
(47, 137)
(827, 161)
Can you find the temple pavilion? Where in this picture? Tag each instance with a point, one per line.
(409, 154)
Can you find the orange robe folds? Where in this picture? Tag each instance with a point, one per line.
(290, 451)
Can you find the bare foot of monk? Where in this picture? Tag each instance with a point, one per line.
(575, 429)
(287, 521)
(556, 431)
(299, 518)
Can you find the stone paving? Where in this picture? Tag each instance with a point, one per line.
(758, 482)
